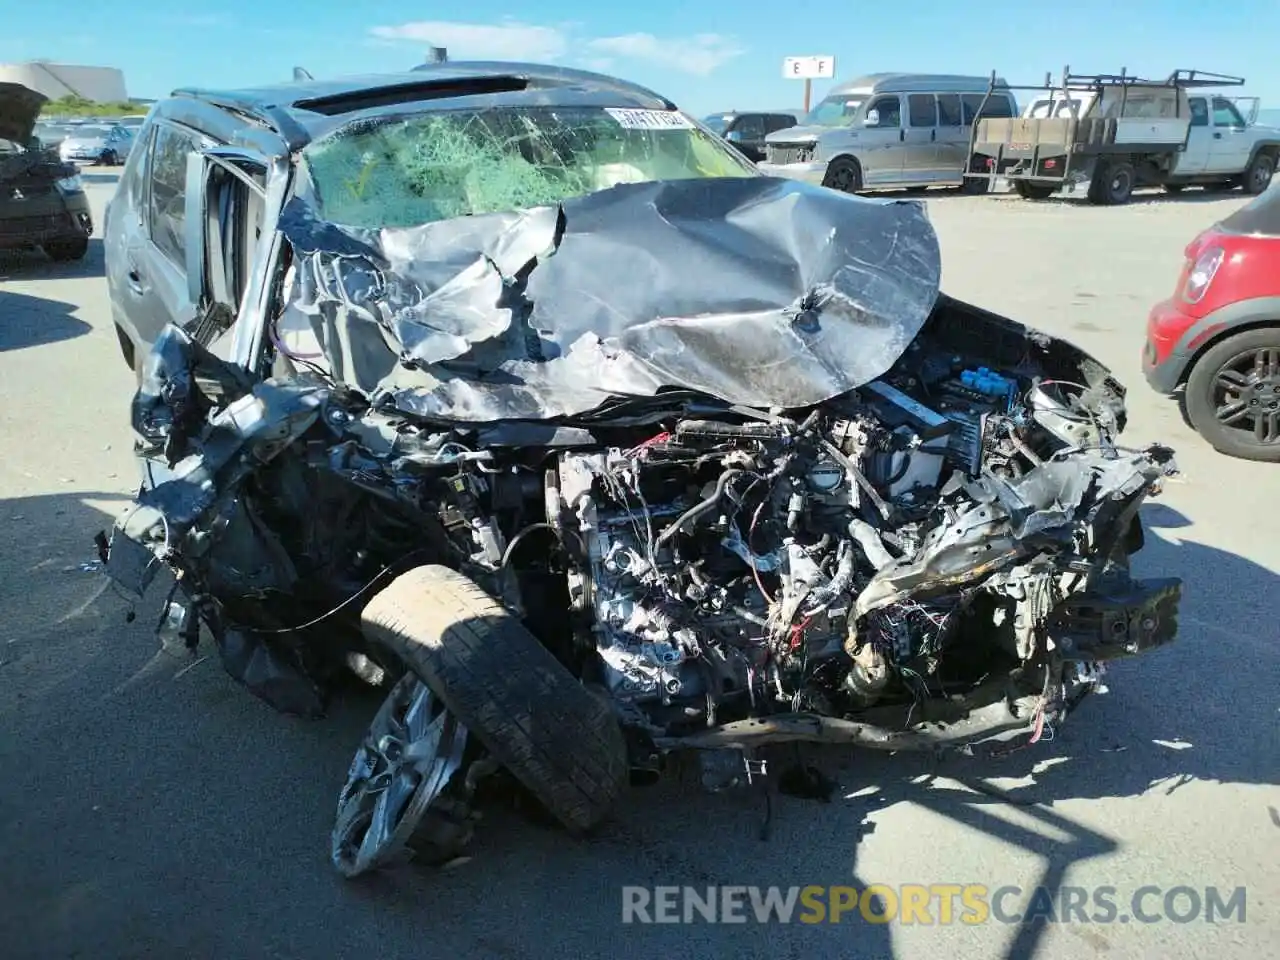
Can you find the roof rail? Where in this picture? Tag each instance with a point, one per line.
(274, 118)
(1097, 81)
(1203, 78)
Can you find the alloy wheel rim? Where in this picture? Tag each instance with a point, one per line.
(1246, 394)
(1262, 175)
(409, 754)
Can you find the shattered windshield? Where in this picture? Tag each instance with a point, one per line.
(837, 111)
(422, 169)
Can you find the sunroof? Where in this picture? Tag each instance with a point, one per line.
(365, 99)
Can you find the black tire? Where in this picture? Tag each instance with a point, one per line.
(1174, 188)
(1257, 176)
(843, 174)
(975, 186)
(1033, 191)
(67, 250)
(556, 737)
(1112, 183)
(1204, 386)
(109, 159)
(126, 348)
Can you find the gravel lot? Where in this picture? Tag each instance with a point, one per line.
(150, 807)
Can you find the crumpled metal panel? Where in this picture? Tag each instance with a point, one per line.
(754, 290)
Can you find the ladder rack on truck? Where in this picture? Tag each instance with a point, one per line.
(1092, 121)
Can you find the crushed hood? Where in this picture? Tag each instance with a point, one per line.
(19, 108)
(755, 290)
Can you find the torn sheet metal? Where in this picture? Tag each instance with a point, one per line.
(754, 290)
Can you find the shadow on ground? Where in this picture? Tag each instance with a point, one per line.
(152, 807)
(27, 321)
(1141, 199)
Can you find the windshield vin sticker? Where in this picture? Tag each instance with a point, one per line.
(650, 119)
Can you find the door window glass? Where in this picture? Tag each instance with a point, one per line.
(949, 113)
(750, 127)
(167, 204)
(1225, 113)
(923, 109)
(889, 111)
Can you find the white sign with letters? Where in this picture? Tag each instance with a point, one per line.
(809, 68)
(650, 119)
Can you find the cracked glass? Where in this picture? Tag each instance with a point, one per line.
(437, 166)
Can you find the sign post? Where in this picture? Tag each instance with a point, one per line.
(808, 69)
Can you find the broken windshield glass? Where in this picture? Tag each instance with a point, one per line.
(438, 166)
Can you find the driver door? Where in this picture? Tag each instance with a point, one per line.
(227, 198)
(1232, 144)
(880, 146)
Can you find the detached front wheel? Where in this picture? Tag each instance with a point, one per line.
(400, 793)
(533, 716)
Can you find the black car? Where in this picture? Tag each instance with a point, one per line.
(514, 391)
(747, 131)
(42, 201)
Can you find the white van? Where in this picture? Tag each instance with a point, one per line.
(889, 130)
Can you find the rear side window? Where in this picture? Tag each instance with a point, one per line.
(168, 197)
(997, 105)
(949, 114)
(1199, 112)
(923, 110)
(1261, 217)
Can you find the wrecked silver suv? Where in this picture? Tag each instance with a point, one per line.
(538, 407)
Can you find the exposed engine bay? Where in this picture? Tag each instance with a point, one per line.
(946, 526)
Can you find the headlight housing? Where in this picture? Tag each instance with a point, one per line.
(69, 185)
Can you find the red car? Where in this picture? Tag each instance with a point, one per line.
(1217, 339)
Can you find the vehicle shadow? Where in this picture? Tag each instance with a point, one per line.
(29, 321)
(37, 265)
(1139, 199)
(187, 788)
(101, 174)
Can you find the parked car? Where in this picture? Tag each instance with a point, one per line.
(888, 130)
(513, 391)
(42, 201)
(747, 131)
(1115, 132)
(1215, 342)
(104, 144)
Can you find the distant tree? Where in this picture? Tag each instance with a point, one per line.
(74, 105)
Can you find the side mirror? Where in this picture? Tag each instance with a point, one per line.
(872, 119)
(734, 136)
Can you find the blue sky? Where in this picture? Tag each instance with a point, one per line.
(706, 56)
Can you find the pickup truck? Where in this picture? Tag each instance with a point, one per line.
(1111, 133)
